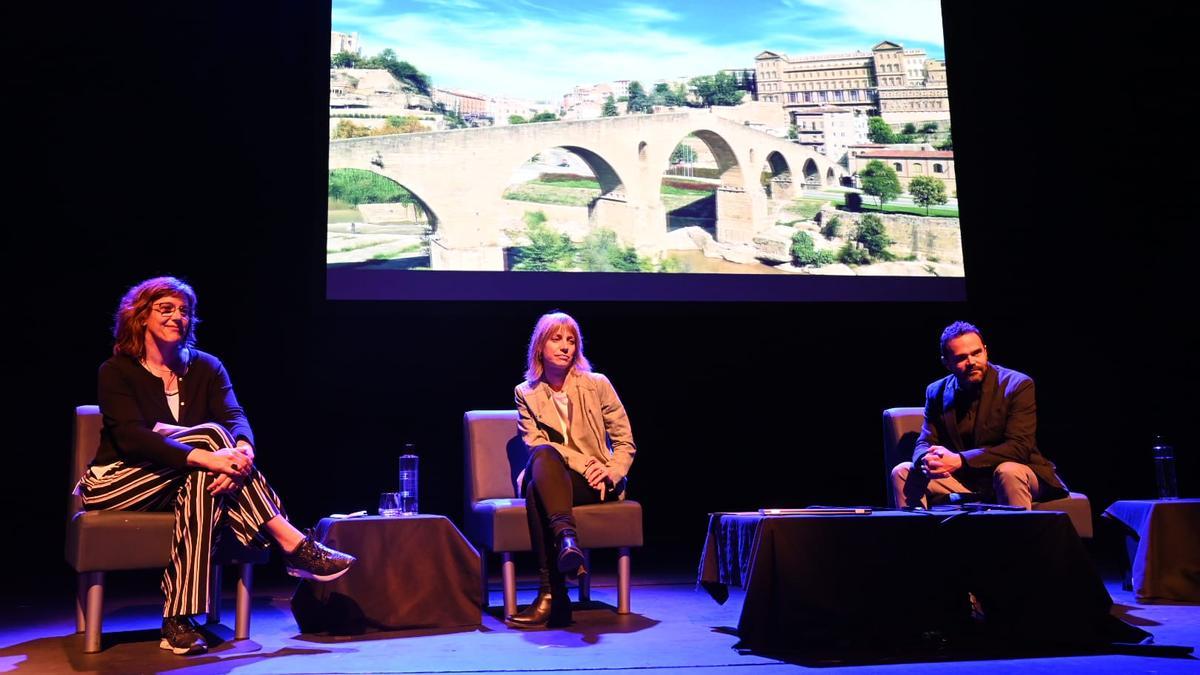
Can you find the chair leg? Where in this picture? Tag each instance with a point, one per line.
(245, 588)
(508, 570)
(214, 595)
(623, 580)
(585, 581)
(80, 601)
(484, 599)
(94, 610)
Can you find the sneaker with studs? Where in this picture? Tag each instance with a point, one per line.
(179, 635)
(313, 560)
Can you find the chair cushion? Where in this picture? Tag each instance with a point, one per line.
(1077, 507)
(610, 525)
(100, 541)
(104, 541)
(498, 525)
(501, 525)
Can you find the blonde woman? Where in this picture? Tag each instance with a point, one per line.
(580, 450)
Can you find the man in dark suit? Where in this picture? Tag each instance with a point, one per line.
(979, 434)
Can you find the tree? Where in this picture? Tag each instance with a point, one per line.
(638, 100)
(401, 70)
(879, 131)
(872, 236)
(516, 119)
(683, 154)
(831, 228)
(948, 144)
(610, 107)
(601, 252)
(880, 180)
(660, 94)
(926, 191)
(909, 129)
(805, 254)
(544, 117)
(793, 132)
(678, 96)
(400, 125)
(929, 128)
(719, 89)
(348, 129)
(548, 251)
(344, 60)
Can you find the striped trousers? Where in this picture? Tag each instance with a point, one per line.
(199, 516)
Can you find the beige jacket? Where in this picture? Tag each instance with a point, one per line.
(599, 416)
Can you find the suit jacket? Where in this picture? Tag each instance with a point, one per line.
(1005, 426)
(599, 417)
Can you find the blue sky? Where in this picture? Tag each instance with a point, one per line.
(540, 49)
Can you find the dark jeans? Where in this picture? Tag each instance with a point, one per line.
(551, 488)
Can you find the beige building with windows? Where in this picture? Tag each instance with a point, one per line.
(909, 164)
(462, 102)
(830, 130)
(343, 42)
(902, 85)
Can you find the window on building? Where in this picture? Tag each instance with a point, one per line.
(897, 166)
(937, 168)
(918, 168)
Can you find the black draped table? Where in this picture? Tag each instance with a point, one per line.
(412, 572)
(1164, 547)
(901, 578)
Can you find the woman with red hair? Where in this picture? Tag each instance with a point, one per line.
(175, 438)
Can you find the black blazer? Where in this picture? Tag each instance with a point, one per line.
(1005, 427)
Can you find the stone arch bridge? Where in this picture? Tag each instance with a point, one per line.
(460, 176)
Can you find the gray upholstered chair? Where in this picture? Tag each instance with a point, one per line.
(902, 427)
(106, 541)
(495, 518)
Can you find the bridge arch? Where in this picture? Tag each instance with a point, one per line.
(391, 222)
(776, 177)
(812, 174)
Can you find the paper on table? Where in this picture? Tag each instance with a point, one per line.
(356, 514)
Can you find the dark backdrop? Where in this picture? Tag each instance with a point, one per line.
(159, 138)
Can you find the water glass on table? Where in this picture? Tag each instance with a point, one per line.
(389, 505)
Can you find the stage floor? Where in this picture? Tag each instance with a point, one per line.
(676, 629)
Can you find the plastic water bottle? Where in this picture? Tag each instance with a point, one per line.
(1164, 469)
(409, 463)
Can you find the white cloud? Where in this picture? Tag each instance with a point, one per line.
(919, 20)
(649, 13)
(532, 59)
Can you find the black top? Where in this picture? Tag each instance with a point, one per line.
(132, 401)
